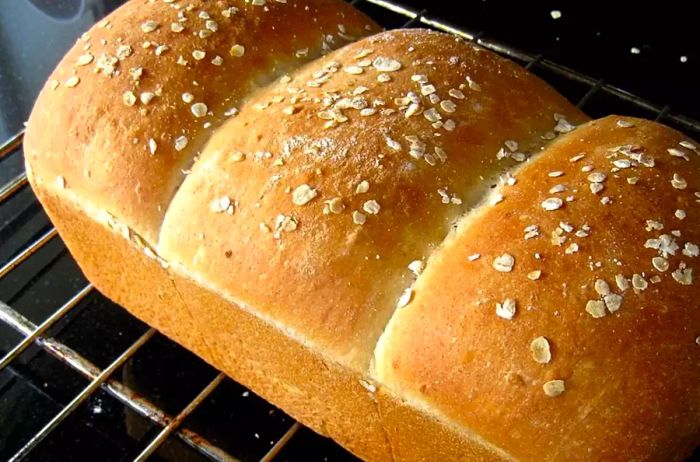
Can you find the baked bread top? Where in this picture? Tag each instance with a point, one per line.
(131, 105)
(310, 205)
(564, 320)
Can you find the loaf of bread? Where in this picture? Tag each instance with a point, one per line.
(409, 244)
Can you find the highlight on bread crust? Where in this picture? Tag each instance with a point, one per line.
(140, 93)
(375, 151)
(406, 244)
(600, 237)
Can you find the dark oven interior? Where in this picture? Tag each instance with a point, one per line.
(80, 378)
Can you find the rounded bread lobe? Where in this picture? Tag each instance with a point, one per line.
(604, 344)
(348, 170)
(130, 106)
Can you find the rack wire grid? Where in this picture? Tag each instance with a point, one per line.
(170, 426)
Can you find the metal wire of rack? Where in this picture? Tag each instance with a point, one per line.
(34, 334)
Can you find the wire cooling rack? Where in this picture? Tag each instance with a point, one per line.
(155, 431)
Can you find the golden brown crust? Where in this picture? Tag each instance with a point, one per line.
(114, 259)
(331, 281)
(281, 258)
(105, 153)
(419, 436)
(325, 396)
(330, 399)
(629, 375)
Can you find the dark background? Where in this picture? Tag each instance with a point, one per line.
(595, 37)
(592, 37)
